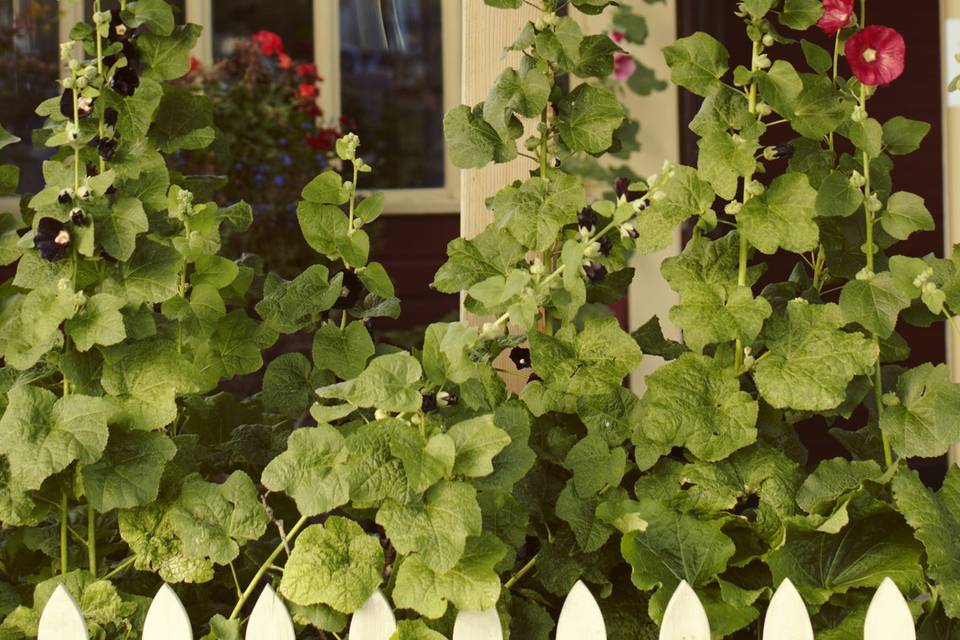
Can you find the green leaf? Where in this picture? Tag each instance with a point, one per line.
(477, 442)
(818, 58)
(144, 377)
(526, 95)
(588, 117)
(336, 564)
(41, 435)
(288, 385)
(697, 63)
(9, 179)
(152, 273)
(867, 136)
(470, 140)
(902, 135)
(834, 480)
(212, 519)
(694, 402)
(322, 226)
(801, 14)
(926, 422)
(390, 383)
(874, 304)
(906, 213)
(836, 197)
(216, 271)
(595, 465)
(7, 138)
(343, 351)
(418, 629)
(311, 470)
(183, 120)
(374, 474)
(34, 328)
(935, 518)
(471, 585)
(724, 159)
(820, 109)
(811, 361)
(709, 315)
(118, 226)
(168, 57)
(652, 342)
(861, 556)
(128, 474)
(326, 188)
(98, 322)
(375, 278)
(758, 8)
(436, 527)
(492, 252)
(675, 546)
(237, 342)
(780, 87)
(535, 211)
(148, 532)
(354, 247)
(783, 216)
(289, 306)
(425, 462)
(156, 15)
(685, 195)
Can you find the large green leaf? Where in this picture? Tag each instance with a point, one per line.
(99, 321)
(335, 564)
(389, 383)
(312, 470)
(471, 141)
(493, 252)
(874, 303)
(588, 117)
(535, 211)
(128, 474)
(926, 421)
(289, 306)
(343, 351)
(183, 120)
(782, 217)
(168, 57)
(905, 214)
(820, 109)
(811, 360)
(697, 63)
(477, 441)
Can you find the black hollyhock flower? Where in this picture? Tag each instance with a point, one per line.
(78, 218)
(84, 106)
(429, 404)
(51, 239)
(596, 272)
(119, 32)
(110, 116)
(130, 52)
(107, 147)
(587, 218)
(451, 399)
(783, 152)
(353, 290)
(606, 245)
(520, 357)
(65, 197)
(622, 187)
(125, 81)
(110, 190)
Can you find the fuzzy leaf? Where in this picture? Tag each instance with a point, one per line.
(697, 63)
(98, 322)
(926, 422)
(874, 304)
(343, 351)
(477, 442)
(128, 474)
(906, 213)
(782, 217)
(588, 117)
(311, 470)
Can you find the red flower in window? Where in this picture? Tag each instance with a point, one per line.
(305, 70)
(310, 108)
(307, 91)
(270, 43)
(836, 16)
(284, 61)
(624, 66)
(195, 64)
(876, 55)
(322, 140)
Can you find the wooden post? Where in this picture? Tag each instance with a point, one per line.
(951, 173)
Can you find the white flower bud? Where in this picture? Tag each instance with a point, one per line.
(763, 61)
(865, 274)
(872, 203)
(859, 114)
(764, 109)
(732, 208)
(755, 188)
(380, 414)
(857, 180)
(768, 40)
(66, 49)
(592, 250)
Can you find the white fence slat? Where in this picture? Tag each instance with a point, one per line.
(167, 619)
(580, 618)
(374, 620)
(888, 617)
(61, 618)
(787, 617)
(478, 625)
(685, 617)
(270, 620)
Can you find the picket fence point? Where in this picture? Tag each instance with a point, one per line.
(685, 617)
(166, 618)
(580, 617)
(61, 618)
(374, 620)
(477, 625)
(888, 616)
(787, 617)
(270, 619)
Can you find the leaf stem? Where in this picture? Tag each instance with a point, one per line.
(64, 522)
(265, 566)
(524, 570)
(92, 539)
(120, 567)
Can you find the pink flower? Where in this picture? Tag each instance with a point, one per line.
(284, 61)
(876, 55)
(307, 91)
(195, 65)
(836, 16)
(624, 66)
(618, 36)
(269, 42)
(307, 70)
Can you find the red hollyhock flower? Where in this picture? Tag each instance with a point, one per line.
(618, 36)
(269, 42)
(836, 16)
(623, 66)
(307, 91)
(284, 61)
(876, 55)
(310, 108)
(305, 70)
(195, 64)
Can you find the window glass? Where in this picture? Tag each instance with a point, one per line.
(391, 65)
(292, 20)
(179, 8)
(29, 69)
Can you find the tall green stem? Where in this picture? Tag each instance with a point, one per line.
(64, 523)
(92, 539)
(100, 129)
(266, 566)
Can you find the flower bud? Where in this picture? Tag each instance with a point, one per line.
(857, 181)
(872, 203)
(755, 188)
(890, 399)
(627, 230)
(380, 414)
(763, 61)
(764, 109)
(768, 40)
(865, 274)
(66, 49)
(859, 114)
(732, 208)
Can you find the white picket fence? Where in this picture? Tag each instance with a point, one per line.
(888, 618)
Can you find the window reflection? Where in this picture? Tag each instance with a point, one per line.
(179, 8)
(391, 64)
(29, 54)
(236, 20)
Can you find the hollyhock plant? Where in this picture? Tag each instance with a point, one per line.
(624, 66)
(876, 55)
(837, 15)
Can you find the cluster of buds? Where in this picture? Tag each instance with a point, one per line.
(865, 274)
(347, 146)
(923, 278)
(545, 21)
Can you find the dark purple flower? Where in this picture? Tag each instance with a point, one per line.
(78, 218)
(596, 272)
(587, 218)
(622, 187)
(107, 147)
(65, 197)
(125, 81)
(429, 404)
(606, 245)
(52, 239)
(84, 105)
(110, 117)
(520, 357)
(352, 292)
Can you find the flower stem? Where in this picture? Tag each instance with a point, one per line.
(524, 570)
(266, 566)
(92, 539)
(120, 567)
(96, 9)
(64, 522)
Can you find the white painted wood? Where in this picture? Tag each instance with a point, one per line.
(787, 617)
(167, 619)
(685, 617)
(61, 618)
(477, 625)
(580, 618)
(270, 620)
(888, 617)
(374, 620)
